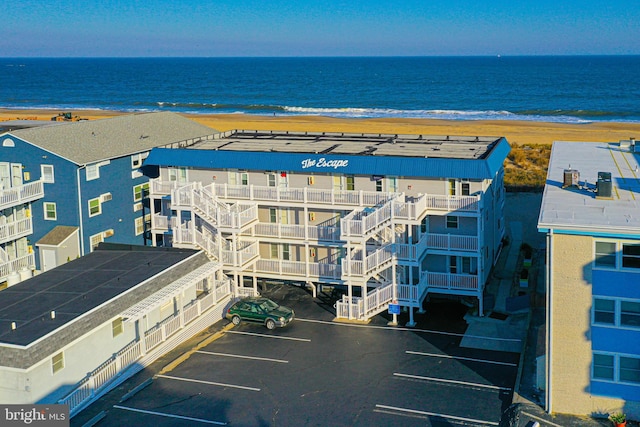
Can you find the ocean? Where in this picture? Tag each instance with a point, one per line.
(566, 89)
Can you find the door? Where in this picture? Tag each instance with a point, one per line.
(48, 259)
(16, 174)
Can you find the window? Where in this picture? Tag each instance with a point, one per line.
(273, 215)
(351, 184)
(605, 255)
(616, 312)
(271, 180)
(453, 265)
(178, 174)
(95, 207)
(286, 255)
(92, 171)
(238, 178)
(452, 187)
(47, 173)
(630, 256)
(274, 251)
(139, 191)
(139, 224)
(465, 189)
(117, 327)
(379, 185)
(137, 159)
(452, 221)
(604, 311)
(57, 362)
(50, 211)
(392, 183)
(630, 313)
(602, 366)
(95, 240)
(337, 183)
(630, 369)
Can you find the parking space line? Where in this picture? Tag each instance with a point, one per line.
(442, 380)
(163, 414)
(239, 356)
(269, 336)
(208, 382)
(470, 359)
(435, 414)
(397, 328)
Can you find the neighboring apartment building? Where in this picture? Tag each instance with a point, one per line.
(391, 218)
(65, 187)
(70, 334)
(591, 216)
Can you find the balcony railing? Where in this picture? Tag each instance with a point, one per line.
(376, 301)
(299, 269)
(20, 194)
(104, 374)
(450, 282)
(299, 195)
(293, 231)
(452, 242)
(162, 222)
(17, 264)
(15, 229)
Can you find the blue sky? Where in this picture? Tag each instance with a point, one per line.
(99, 28)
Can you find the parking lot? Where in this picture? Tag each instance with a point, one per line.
(318, 372)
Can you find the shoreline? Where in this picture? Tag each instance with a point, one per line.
(517, 132)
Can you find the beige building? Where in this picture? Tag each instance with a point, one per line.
(591, 217)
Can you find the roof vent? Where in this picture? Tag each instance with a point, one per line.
(571, 178)
(603, 186)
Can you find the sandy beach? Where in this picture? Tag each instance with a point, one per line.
(516, 132)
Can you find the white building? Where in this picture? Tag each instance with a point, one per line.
(389, 217)
(109, 314)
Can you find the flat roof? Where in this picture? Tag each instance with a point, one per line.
(363, 144)
(77, 287)
(346, 153)
(579, 208)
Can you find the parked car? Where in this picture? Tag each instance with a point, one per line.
(260, 310)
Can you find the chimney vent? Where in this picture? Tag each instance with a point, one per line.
(571, 178)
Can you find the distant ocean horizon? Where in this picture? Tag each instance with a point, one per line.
(560, 89)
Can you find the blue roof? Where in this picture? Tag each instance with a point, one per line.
(434, 167)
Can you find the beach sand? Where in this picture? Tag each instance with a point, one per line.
(516, 132)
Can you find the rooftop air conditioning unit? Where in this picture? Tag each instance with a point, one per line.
(603, 186)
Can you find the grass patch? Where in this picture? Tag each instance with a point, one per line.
(525, 168)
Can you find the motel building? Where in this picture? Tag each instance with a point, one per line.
(591, 216)
(70, 334)
(389, 219)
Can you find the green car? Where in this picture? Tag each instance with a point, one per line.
(260, 310)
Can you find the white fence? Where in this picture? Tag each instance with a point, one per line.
(112, 368)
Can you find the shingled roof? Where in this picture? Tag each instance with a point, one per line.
(92, 141)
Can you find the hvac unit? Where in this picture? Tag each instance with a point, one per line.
(603, 186)
(105, 197)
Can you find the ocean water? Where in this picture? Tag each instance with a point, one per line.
(570, 89)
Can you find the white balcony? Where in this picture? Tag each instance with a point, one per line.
(20, 194)
(300, 232)
(9, 266)
(452, 242)
(303, 195)
(464, 284)
(15, 229)
(298, 270)
(162, 222)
